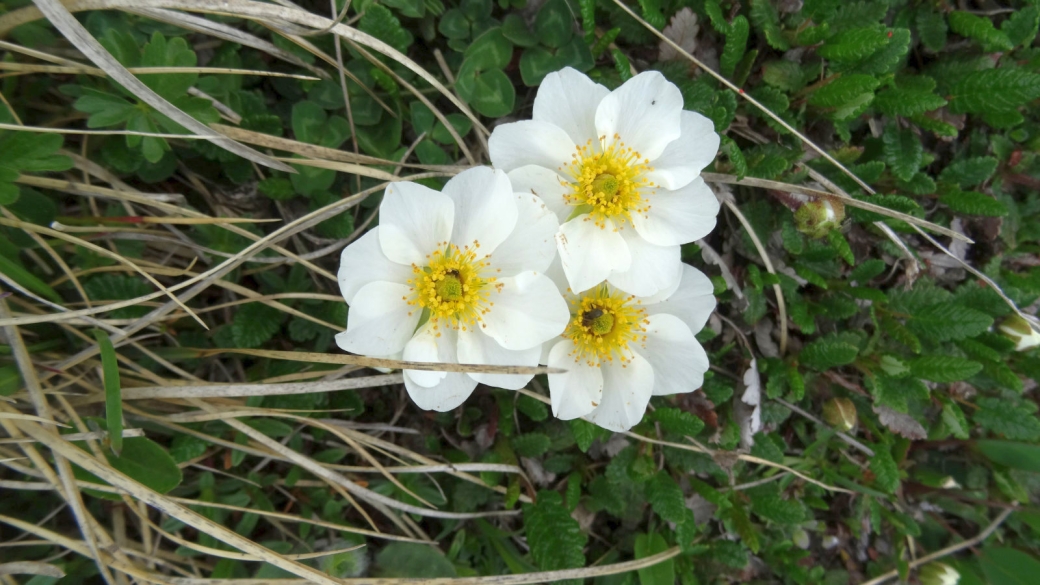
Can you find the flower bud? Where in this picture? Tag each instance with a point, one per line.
(840, 413)
(938, 574)
(1021, 332)
(818, 217)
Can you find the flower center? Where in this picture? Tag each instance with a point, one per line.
(608, 181)
(453, 286)
(604, 324)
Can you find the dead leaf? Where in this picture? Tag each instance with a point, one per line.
(901, 424)
(682, 31)
(751, 423)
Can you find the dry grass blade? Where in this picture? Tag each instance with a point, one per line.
(85, 70)
(369, 362)
(242, 390)
(31, 568)
(78, 35)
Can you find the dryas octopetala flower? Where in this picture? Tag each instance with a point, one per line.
(621, 170)
(619, 350)
(454, 277)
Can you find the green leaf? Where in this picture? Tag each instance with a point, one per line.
(553, 24)
(531, 444)
(585, 433)
(826, 353)
(993, 90)
(677, 421)
(555, 538)
(776, 509)
(847, 95)
(15, 272)
(944, 368)
(490, 92)
(954, 419)
(254, 324)
(907, 102)
(949, 322)
(1008, 566)
(854, 44)
(903, 151)
(10, 380)
(490, 50)
(980, 29)
(32, 152)
(379, 22)
(666, 497)
(409, 559)
(736, 44)
(454, 25)
(277, 188)
(886, 472)
(766, 19)
(931, 26)
(172, 53)
(648, 545)
(1022, 25)
(974, 203)
(1011, 454)
(1009, 418)
(142, 460)
(968, 172)
(113, 392)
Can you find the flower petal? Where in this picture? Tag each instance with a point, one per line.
(430, 344)
(580, 390)
(413, 221)
(447, 395)
(568, 99)
(532, 245)
(528, 311)
(477, 348)
(685, 157)
(380, 320)
(530, 142)
(644, 111)
(485, 208)
(589, 253)
(544, 183)
(679, 362)
(652, 268)
(626, 392)
(693, 300)
(678, 217)
(363, 262)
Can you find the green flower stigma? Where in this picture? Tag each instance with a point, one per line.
(602, 324)
(607, 184)
(449, 288)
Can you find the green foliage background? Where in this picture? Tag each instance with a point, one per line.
(934, 107)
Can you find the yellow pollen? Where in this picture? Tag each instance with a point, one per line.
(452, 287)
(608, 181)
(604, 324)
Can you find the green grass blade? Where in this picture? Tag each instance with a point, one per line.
(113, 393)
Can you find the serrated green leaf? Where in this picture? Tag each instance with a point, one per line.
(742, 524)
(980, 29)
(677, 421)
(555, 538)
(847, 96)
(886, 472)
(974, 203)
(585, 433)
(666, 497)
(944, 368)
(969, 172)
(854, 44)
(954, 419)
(902, 150)
(254, 324)
(776, 509)
(993, 90)
(824, 354)
(1009, 418)
(766, 19)
(1022, 25)
(531, 444)
(907, 102)
(949, 322)
(736, 44)
(931, 26)
(663, 573)
(378, 21)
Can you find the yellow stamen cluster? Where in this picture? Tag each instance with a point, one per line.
(453, 286)
(608, 181)
(604, 323)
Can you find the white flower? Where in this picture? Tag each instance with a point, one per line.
(619, 350)
(621, 170)
(1021, 332)
(454, 277)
